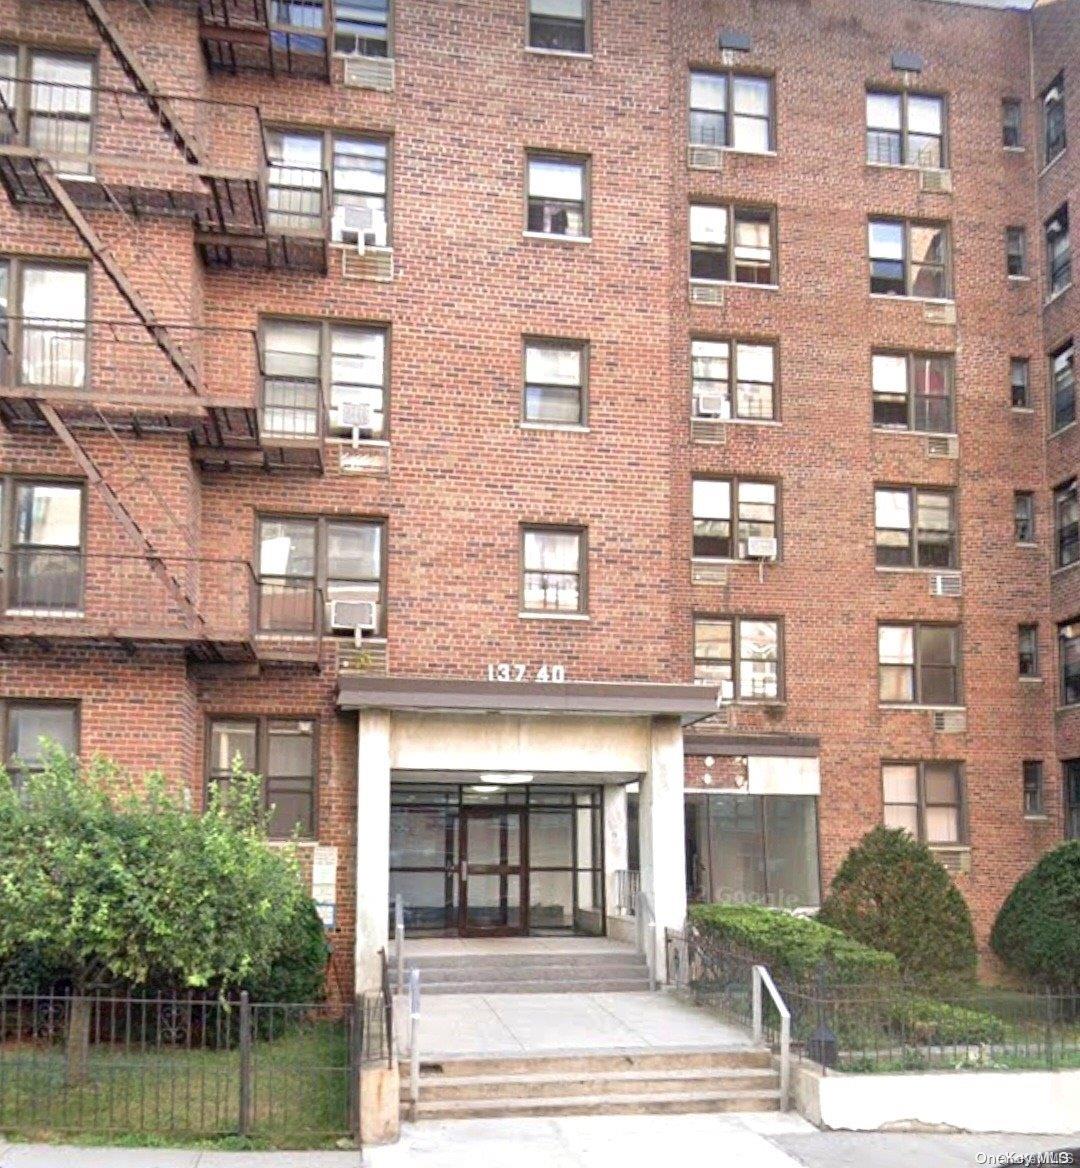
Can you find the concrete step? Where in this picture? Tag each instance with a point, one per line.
(589, 1084)
(510, 973)
(613, 1062)
(525, 985)
(614, 956)
(639, 1104)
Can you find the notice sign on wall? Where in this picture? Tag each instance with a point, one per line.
(324, 883)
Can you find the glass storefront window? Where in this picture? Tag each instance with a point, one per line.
(758, 849)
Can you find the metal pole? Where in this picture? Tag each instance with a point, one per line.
(399, 940)
(756, 998)
(414, 1039)
(244, 1125)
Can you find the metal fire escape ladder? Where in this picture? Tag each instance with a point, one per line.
(129, 63)
(100, 251)
(123, 516)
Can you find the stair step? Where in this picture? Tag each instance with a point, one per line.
(613, 1062)
(516, 960)
(512, 973)
(600, 985)
(645, 1103)
(435, 1088)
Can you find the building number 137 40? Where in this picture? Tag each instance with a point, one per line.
(516, 671)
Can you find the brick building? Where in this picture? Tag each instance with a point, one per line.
(550, 440)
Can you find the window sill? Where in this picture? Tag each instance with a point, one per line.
(733, 150)
(556, 616)
(1027, 411)
(729, 563)
(916, 570)
(957, 847)
(557, 427)
(1052, 163)
(1019, 279)
(913, 299)
(914, 433)
(732, 284)
(1042, 817)
(917, 706)
(1027, 543)
(1067, 709)
(1066, 568)
(738, 421)
(377, 249)
(1057, 295)
(573, 54)
(909, 166)
(342, 440)
(553, 238)
(1014, 149)
(1031, 680)
(1064, 429)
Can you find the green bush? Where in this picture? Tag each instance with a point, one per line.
(924, 1021)
(298, 971)
(1037, 931)
(795, 949)
(891, 893)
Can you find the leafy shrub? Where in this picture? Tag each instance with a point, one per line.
(1037, 931)
(796, 949)
(298, 970)
(924, 1021)
(891, 893)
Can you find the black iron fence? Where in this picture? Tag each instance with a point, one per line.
(891, 1025)
(186, 1067)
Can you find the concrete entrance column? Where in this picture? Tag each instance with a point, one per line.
(662, 833)
(615, 846)
(372, 846)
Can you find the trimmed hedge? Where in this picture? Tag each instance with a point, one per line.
(924, 1021)
(1037, 931)
(796, 949)
(892, 894)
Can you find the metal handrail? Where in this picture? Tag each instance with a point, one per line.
(388, 1008)
(414, 1038)
(762, 977)
(399, 940)
(646, 933)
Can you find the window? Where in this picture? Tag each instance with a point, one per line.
(1058, 251)
(755, 516)
(362, 27)
(733, 379)
(359, 191)
(919, 663)
(909, 258)
(924, 799)
(1033, 787)
(1053, 100)
(555, 382)
(49, 99)
(1063, 386)
(752, 849)
(732, 244)
(1066, 524)
(282, 751)
(556, 196)
(1020, 383)
(1028, 642)
(303, 562)
(740, 655)
(1069, 655)
(43, 340)
(1015, 251)
(1024, 514)
(297, 179)
(733, 110)
(905, 129)
(41, 547)
(28, 724)
(553, 569)
(312, 370)
(914, 528)
(1011, 124)
(1071, 783)
(913, 391)
(559, 25)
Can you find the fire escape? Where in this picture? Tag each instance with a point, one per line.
(42, 165)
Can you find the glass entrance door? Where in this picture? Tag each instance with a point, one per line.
(492, 871)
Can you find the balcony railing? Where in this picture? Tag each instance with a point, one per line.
(53, 593)
(275, 36)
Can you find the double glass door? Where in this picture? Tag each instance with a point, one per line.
(492, 872)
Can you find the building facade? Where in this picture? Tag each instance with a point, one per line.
(567, 448)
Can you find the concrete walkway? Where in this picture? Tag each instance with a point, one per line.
(510, 1024)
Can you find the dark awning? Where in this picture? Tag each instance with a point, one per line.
(769, 745)
(690, 703)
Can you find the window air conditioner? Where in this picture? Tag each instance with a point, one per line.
(760, 548)
(712, 405)
(357, 615)
(363, 226)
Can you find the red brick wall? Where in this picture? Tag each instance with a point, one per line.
(463, 475)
